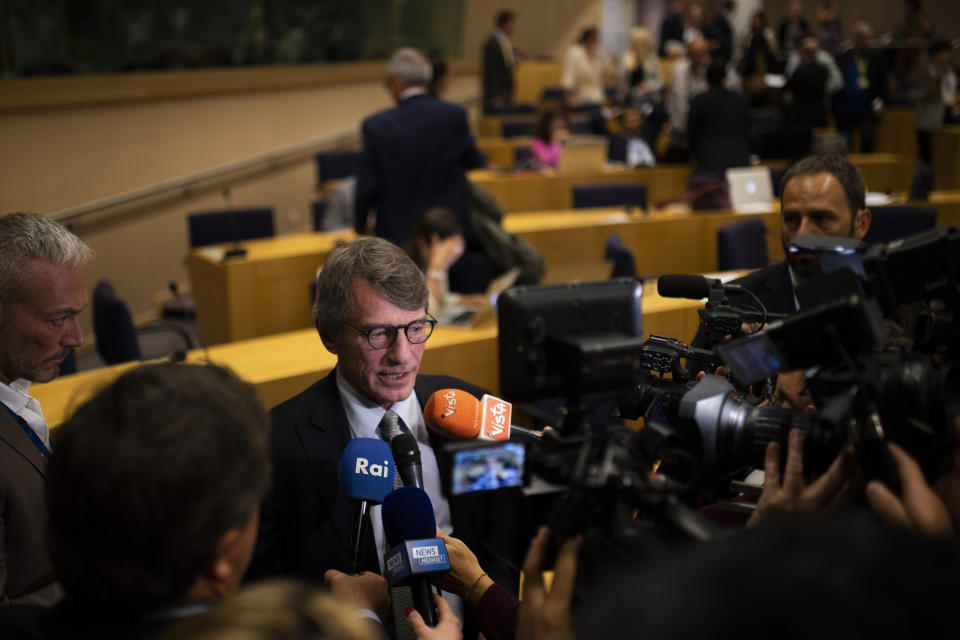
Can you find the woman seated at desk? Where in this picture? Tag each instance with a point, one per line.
(552, 129)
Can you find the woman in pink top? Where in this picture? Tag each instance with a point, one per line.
(552, 130)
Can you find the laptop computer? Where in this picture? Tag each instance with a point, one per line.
(751, 190)
(462, 315)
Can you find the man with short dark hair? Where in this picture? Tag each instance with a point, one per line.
(819, 195)
(499, 62)
(42, 291)
(371, 311)
(154, 488)
(414, 155)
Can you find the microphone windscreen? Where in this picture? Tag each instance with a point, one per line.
(407, 514)
(683, 286)
(366, 470)
(405, 449)
(453, 413)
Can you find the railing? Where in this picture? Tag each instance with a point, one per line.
(267, 161)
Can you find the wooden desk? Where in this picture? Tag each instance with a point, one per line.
(573, 241)
(536, 191)
(265, 292)
(501, 152)
(283, 365)
(896, 131)
(532, 77)
(945, 154)
(947, 204)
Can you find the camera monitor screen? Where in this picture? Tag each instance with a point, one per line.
(751, 359)
(489, 467)
(534, 320)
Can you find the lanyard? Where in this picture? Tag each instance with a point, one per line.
(34, 438)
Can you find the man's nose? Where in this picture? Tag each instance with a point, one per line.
(73, 336)
(807, 226)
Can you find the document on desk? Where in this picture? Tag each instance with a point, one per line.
(212, 253)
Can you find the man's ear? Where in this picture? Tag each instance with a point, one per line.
(331, 344)
(861, 223)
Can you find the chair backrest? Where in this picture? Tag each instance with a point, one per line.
(213, 227)
(633, 194)
(922, 183)
(319, 208)
(336, 165)
(776, 176)
(113, 326)
(742, 245)
(892, 223)
(516, 129)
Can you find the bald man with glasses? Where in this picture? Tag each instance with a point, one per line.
(371, 311)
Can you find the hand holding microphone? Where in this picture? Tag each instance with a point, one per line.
(415, 555)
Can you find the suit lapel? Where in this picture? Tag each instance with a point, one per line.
(12, 434)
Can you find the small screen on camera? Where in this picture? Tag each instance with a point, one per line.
(751, 359)
(488, 467)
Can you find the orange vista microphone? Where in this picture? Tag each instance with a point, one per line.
(458, 415)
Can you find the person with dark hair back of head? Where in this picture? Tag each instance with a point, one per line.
(42, 291)
(499, 63)
(154, 490)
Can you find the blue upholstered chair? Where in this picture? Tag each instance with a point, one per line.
(517, 129)
(117, 337)
(336, 165)
(231, 225)
(631, 194)
(742, 245)
(892, 223)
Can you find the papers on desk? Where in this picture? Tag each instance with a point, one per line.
(877, 199)
(774, 80)
(212, 253)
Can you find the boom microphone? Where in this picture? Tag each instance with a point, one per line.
(690, 286)
(366, 475)
(458, 415)
(406, 453)
(416, 553)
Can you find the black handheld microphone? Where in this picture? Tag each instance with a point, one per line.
(406, 455)
(690, 286)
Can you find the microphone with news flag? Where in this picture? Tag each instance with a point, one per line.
(366, 475)
(458, 415)
(415, 552)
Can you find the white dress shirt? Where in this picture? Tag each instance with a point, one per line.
(24, 405)
(583, 75)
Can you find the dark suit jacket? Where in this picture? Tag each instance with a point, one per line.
(809, 86)
(497, 74)
(414, 156)
(845, 101)
(722, 31)
(70, 619)
(717, 127)
(670, 29)
(771, 284)
(26, 573)
(305, 519)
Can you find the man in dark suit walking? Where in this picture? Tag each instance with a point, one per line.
(42, 290)
(499, 62)
(371, 311)
(861, 101)
(414, 155)
(717, 125)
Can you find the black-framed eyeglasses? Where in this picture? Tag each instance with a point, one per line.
(417, 332)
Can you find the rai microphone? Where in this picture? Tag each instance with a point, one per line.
(415, 553)
(366, 475)
(458, 415)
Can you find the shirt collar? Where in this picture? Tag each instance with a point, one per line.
(15, 394)
(409, 92)
(364, 416)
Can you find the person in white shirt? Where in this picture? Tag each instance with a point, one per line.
(586, 70)
(42, 291)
